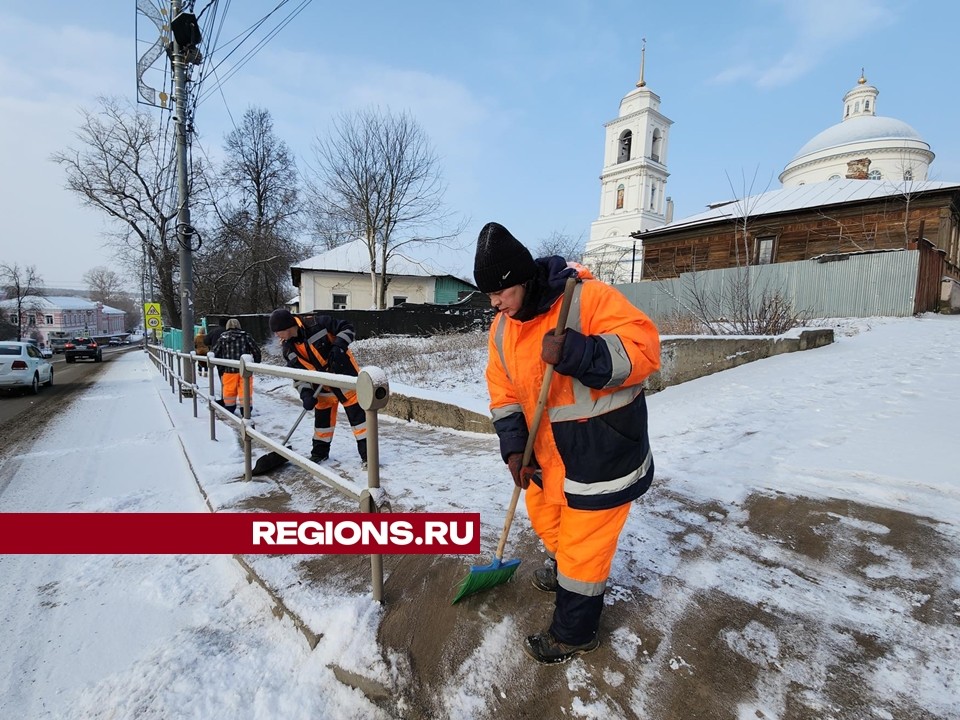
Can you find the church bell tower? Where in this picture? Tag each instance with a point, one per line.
(632, 183)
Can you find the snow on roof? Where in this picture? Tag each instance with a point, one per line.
(859, 129)
(107, 310)
(54, 302)
(831, 192)
(354, 257)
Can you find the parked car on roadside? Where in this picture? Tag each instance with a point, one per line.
(115, 341)
(82, 347)
(22, 366)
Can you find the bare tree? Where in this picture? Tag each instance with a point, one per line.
(257, 207)
(329, 231)
(124, 168)
(911, 187)
(737, 300)
(613, 263)
(563, 244)
(107, 287)
(378, 178)
(22, 285)
(103, 284)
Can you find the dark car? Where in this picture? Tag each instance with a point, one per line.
(82, 347)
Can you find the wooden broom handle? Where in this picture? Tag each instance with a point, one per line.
(537, 413)
(548, 372)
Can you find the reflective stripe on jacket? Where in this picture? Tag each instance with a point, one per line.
(310, 347)
(594, 452)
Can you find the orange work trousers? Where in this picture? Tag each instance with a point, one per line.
(582, 541)
(233, 388)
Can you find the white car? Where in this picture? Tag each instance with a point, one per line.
(23, 366)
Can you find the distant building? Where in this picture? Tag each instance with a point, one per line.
(63, 316)
(808, 221)
(339, 279)
(859, 186)
(632, 184)
(862, 146)
(902, 241)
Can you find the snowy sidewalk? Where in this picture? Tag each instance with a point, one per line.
(795, 557)
(127, 635)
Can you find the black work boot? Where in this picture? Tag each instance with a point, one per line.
(362, 449)
(545, 649)
(545, 578)
(320, 451)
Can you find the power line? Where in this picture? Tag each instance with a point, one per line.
(251, 53)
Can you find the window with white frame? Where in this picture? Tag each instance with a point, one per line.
(339, 301)
(49, 319)
(876, 175)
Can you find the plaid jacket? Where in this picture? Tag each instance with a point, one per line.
(233, 343)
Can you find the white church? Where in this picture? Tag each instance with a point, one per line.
(632, 184)
(863, 145)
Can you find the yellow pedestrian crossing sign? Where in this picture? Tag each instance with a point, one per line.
(152, 317)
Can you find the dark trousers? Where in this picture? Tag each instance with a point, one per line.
(325, 419)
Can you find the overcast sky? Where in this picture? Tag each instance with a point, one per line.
(513, 95)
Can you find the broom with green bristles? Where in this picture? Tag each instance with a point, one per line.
(484, 577)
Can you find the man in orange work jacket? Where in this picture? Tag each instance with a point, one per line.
(593, 455)
(323, 345)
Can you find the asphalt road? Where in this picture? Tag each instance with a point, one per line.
(24, 416)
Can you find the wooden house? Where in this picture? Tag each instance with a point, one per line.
(817, 221)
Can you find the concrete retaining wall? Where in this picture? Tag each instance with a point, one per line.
(687, 358)
(681, 359)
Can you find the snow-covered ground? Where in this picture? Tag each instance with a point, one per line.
(860, 436)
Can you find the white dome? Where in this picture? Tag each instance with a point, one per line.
(859, 129)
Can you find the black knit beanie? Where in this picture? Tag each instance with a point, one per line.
(501, 260)
(281, 319)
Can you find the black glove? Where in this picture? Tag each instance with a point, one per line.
(551, 349)
(522, 475)
(338, 361)
(307, 398)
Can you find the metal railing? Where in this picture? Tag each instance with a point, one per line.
(373, 392)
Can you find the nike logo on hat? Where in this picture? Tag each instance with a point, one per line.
(505, 275)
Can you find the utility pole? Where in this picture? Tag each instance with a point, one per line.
(633, 262)
(186, 37)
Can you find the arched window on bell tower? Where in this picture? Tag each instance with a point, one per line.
(626, 140)
(655, 147)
